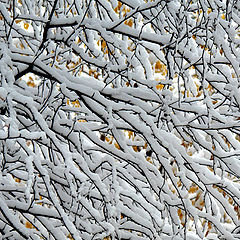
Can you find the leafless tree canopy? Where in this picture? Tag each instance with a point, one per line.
(119, 119)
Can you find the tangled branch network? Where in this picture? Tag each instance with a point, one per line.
(119, 119)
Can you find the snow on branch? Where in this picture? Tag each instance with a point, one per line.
(119, 119)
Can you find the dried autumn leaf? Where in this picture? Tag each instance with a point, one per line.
(230, 200)
(135, 148)
(179, 183)
(103, 44)
(193, 189)
(180, 214)
(159, 86)
(31, 84)
(130, 134)
(40, 198)
(117, 146)
(149, 160)
(26, 26)
(70, 236)
(158, 67)
(28, 225)
(129, 22)
(17, 180)
(107, 238)
(117, 9)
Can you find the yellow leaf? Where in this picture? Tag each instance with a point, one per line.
(159, 86)
(129, 22)
(179, 184)
(76, 103)
(91, 72)
(193, 189)
(202, 203)
(125, 11)
(238, 137)
(207, 233)
(17, 180)
(103, 44)
(40, 198)
(198, 196)
(189, 153)
(209, 225)
(28, 225)
(195, 76)
(230, 200)
(18, 21)
(96, 75)
(180, 214)
(70, 236)
(31, 84)
(210, 169)
(21, 46)
(135, 148)
(223, 16)
(117, 9)
(117, 146)
(158, 67)
(26, 26)
(149, 160)
(131, 134)
(107, 238)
